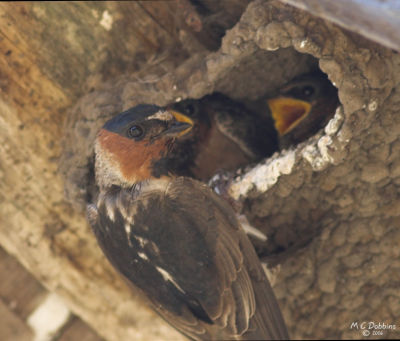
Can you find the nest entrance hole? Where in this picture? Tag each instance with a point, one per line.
(260, 76)
(256, 77)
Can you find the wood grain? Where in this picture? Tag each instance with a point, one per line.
(373, 19)
(52, 53)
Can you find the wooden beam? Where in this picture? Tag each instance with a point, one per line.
(52, 53)
(373, 19)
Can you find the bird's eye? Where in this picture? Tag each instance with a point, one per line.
(189, 109)
(217, 30)
(308, 91)
(135, 131)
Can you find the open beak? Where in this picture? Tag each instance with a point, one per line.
(288, 113)
(180, 126)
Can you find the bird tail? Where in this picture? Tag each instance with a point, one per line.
(268, 320)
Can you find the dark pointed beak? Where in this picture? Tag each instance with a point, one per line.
(180, 125)
(177, 129)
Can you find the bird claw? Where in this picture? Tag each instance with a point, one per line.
(220, 184)
(251, 230)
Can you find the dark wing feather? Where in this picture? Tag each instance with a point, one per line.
(251, 293)
(184, 249)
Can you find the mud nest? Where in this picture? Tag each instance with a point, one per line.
(329, 205)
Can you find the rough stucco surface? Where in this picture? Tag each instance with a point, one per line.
(330, 207)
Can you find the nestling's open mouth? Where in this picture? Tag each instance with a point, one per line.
(288, 113)
(183, 123)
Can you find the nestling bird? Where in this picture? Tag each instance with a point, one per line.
(302, 107)
(173, 238)
(226, 135)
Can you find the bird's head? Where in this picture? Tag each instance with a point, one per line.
(133, 146)
(303, 95)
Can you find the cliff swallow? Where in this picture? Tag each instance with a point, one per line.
(302, 107)
(226, 135)
(173, 238)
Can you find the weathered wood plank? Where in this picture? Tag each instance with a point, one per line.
(51, 54)
(373, 19)
(18, 288)
(77, 330)
(12, 327)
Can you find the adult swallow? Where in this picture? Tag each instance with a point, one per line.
(302, 107)
(173, 238)
(226, 135)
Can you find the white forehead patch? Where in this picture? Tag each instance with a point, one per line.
(161, 115)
